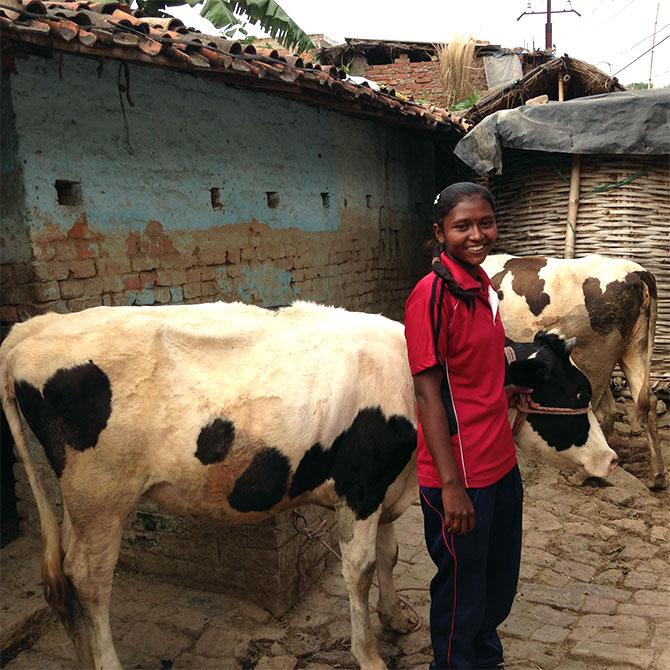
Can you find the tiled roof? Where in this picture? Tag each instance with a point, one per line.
(113, 30)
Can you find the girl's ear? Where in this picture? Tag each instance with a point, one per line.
(439, 235)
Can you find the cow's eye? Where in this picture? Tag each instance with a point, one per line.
(584, 396)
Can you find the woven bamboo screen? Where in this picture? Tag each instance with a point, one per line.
(624, 211)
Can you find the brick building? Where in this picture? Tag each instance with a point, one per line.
(143, 164)
(410, 67)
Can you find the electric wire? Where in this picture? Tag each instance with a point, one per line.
(640, 56)
(623, 9)
(637, 44)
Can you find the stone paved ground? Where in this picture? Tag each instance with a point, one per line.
(594, 594)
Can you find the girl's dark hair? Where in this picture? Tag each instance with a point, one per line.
(443, 204)
(452, 195)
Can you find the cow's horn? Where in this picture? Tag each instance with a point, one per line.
(570, 344)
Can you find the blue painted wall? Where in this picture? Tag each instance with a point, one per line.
(158, 159)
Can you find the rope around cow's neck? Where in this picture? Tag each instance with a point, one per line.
(525, 405)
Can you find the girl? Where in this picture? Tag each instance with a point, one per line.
(471, 491)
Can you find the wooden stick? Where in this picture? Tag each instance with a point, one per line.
(573, 205)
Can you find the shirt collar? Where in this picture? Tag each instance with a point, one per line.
(461, 275)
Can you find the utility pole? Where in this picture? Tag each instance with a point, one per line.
(548, 40)
(653, 45)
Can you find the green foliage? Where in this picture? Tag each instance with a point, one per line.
(465, 104)
(225, 14)
(638, 86)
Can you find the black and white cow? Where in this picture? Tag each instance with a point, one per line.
(235, 413)
(609, 305)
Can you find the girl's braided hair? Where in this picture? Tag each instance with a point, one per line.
(445, 201)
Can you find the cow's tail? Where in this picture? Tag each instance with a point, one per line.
(58, 589)
(649, 279)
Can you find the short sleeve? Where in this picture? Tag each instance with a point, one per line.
(419, 327)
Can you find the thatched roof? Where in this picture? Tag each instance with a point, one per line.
(583, 79)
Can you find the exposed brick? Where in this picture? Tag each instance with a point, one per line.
(139, 263)
(170, 277)
(6, 274)
(148, 279)
(132, 283)
(8, 314)
(209, 289)
(23, 273)
(162, 295)
(118, 265)
(172, 261)
(46, 292)
(145, 297)
(52, 270)
(193, 275)
(44, 252)
(86, 249)
(82, 268)
(176, 294)
(208, 273)
(112, 284)
(78, 304)
(65, 251)
(192, 290)
(17, 295)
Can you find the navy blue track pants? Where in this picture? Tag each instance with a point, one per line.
(477, 574)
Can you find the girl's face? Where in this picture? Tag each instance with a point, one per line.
(468, 231)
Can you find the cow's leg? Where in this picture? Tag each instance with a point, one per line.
(358, 546)
(635, 368)
(605, 411)
(93, 542)
(390, 612)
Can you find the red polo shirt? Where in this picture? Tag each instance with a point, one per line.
(471, 343)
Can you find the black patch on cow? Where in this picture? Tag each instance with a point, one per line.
(73, 409)
(364, 460)
(42, 422)
(526, 281)
(214, 441)
(315, 467)
(618, 307)
(263, 484)
(497, 278)
(561, 432)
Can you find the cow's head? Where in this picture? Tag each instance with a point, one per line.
(545, 366)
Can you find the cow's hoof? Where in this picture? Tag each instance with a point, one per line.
(400, 621)
(659, 482)
(376, 664)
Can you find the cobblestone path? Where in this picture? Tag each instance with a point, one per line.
(594, 594)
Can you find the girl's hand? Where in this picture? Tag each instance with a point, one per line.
(459, 513)
(512, 389)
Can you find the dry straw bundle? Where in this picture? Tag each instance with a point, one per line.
(454, 66)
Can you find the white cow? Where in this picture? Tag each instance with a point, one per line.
(230, 412)
(609, 305)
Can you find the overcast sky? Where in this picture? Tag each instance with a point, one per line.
(609, 34)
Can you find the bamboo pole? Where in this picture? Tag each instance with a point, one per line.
(573, 205)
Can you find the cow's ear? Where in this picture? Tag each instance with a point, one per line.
(531, 373)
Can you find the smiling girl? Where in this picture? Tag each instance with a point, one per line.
(471, 491)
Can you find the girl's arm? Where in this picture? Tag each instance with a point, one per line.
(459, 513)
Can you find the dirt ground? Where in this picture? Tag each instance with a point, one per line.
(594, 595)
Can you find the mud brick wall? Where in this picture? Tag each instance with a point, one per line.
(204, 192)
(200, 192)
(419, 79)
